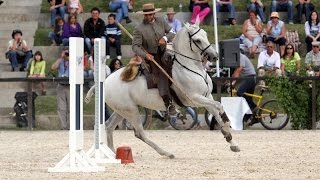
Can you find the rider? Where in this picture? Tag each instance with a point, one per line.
(246, 69)
(149, 42)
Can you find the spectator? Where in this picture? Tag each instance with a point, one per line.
(227, 6)
(93, 28)
(88, 70)
(251, 29)
(269, 62)
(121, 7)
(57, 7)
(130, 5)
(312, 29)
(257, 6)
(276, 31)
(174, 23)
(290, 62)
(75, 7)
(63, 91)
(283, 5)
(313, 59)
(56, 35)
(200, 8)
(304, 6)
(18, 51)
(112, 34)
(71, 29)
(37, 69)
(115, 64)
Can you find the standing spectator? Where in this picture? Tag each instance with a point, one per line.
(18, 51)
(71, 29)
(174, 23)
(304, 6)
(276, 31)
(290, 62)
(200, 8)
(57, 7)
(121, 7)
(115, 64)
(63, 89)
(37, 69)
(74, 7)
(313, 59)
(56, 35)
(269, 62)
(93, 28)
(312, 29)
(257, 6)
(227, 6)
(251, 29)
(283, 5)
(112, 34)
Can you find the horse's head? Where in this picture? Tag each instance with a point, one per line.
(199, 42)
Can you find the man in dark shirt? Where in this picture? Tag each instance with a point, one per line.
(93, 28)
(112, 35)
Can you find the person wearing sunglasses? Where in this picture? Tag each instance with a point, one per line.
(312, 60)
(269, 62)
(290, 62)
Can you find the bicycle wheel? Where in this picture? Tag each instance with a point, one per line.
(145, 119)
(185, 119)
(272, 116)
(209, 118)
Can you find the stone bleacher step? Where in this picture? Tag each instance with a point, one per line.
(7, 95)
(22, 3)
(14, 18)
(20, 9)
(28, 25)
(7, 121)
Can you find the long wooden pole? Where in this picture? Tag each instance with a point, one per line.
(155, 62)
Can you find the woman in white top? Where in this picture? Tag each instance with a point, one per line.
(251, 29)
(312, 29)
(74, 7)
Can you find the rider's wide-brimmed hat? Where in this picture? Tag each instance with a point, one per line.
(148, 9)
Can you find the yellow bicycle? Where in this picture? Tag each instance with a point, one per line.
(270, 113)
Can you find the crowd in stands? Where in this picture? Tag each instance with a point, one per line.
(280, 57)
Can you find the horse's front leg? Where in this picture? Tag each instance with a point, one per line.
(215, 108)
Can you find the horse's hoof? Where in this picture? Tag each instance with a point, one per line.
(235, 148)
(171, 156)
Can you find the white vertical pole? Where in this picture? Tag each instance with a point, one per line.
(100, 152)
(76, 160)
(215, 28)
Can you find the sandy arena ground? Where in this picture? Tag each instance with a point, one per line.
(199, 155)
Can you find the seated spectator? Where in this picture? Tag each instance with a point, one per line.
(174, 23)
(269, 62)
(276, 31)
(88, 70)
(121, 7)
(290, 62)
(251, 29)
(18, 51)
(313, 59)
(112, 34)
(75, 7)
(93, 28)
(130, 5)
(226, 6)
(283, 5)
(115, 64)
(257, 6)
(56, 35)
(37, 69)
(200, 8)
(312, 29)
(71, 29)
(57, 7)
(304, 6)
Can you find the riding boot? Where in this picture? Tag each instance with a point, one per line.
(170, 108)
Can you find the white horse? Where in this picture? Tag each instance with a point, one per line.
(125, 97)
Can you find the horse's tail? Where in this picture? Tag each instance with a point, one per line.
(131, 70)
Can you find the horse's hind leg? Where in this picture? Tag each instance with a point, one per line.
(112, 123)
(135, 121)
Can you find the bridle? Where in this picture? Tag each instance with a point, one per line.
(195, 43)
